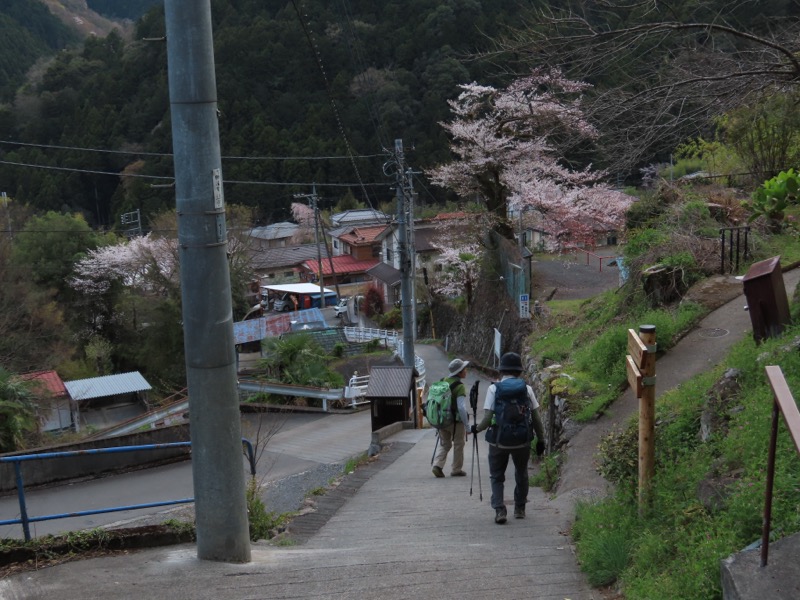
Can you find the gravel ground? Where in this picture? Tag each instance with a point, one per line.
(288, 494)
(569, 277)
(281, 496)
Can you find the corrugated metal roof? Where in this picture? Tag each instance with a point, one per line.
(358, 216)
(276, 231)
(109, 385)
(390, 382)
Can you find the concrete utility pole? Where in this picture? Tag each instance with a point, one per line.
(312, 200)
(412, 197)
(217, 469)
(406, 296)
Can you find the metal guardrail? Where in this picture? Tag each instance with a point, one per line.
(25, 519)
(784, 403)
(367, 334)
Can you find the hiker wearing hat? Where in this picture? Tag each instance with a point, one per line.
(455, 436)
(510, 417)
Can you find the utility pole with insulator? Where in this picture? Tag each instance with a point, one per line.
(313, 202)
(406, 293)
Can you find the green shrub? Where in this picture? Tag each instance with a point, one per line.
(261, 522)
(549, 471)
(683, 166)
(391, 320)
(643, 240)
(604, 535)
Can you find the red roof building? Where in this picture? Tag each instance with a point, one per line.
(346, 269)
(54, 408)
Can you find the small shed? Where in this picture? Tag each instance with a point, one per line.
(391, 394)
(55, 411)
(104, 401)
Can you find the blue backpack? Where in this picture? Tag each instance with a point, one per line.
(512, 425)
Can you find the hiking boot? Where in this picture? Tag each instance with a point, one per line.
(500, 515)
(458, 474)
(438, 471)
(519, 512)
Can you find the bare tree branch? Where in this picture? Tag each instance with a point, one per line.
(658, 81)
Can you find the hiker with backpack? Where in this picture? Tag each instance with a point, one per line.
(510, 418)
(446, 410)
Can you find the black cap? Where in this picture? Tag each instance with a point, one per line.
(510, 361)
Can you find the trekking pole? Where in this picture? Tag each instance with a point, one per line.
(480, 488)
(473, 402)
(472, 470)
(436, 445)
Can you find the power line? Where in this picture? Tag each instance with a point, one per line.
(331, 99)
(168, 178)
(90, 171)
(168, 154)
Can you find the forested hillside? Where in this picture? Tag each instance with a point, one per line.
(27, 32)
(388, 67)
(315, 79)
(122, 9)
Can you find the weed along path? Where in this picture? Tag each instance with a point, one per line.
(700, 350)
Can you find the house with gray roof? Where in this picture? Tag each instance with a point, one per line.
(276, 235)
(283, 265)
(359, 216)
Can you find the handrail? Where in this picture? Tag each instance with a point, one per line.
(784, 403)
(599, 257)
(25, 519)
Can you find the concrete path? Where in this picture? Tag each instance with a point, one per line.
(392, 530)
(699, 351)
(404, 534)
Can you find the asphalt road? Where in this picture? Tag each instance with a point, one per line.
(282, 448)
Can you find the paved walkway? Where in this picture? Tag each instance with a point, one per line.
(392, 530)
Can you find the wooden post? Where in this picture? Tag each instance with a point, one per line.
(647, 414)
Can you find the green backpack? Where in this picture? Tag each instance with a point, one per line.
(440, 404)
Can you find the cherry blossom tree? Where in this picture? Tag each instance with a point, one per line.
(508, 145)
(460, 247)
(148, 264)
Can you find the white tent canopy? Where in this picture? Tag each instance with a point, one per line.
(296, 288)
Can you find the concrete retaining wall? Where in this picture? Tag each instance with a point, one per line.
(52, 470)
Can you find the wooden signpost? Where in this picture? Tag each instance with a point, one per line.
(641, 370)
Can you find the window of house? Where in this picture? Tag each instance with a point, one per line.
(388, 255)
(376, 251)
(335, 243)
(270, 275)
(288, 273)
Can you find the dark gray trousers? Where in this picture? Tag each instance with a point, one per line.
(498, 461)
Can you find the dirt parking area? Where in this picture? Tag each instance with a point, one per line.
(574, 276)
